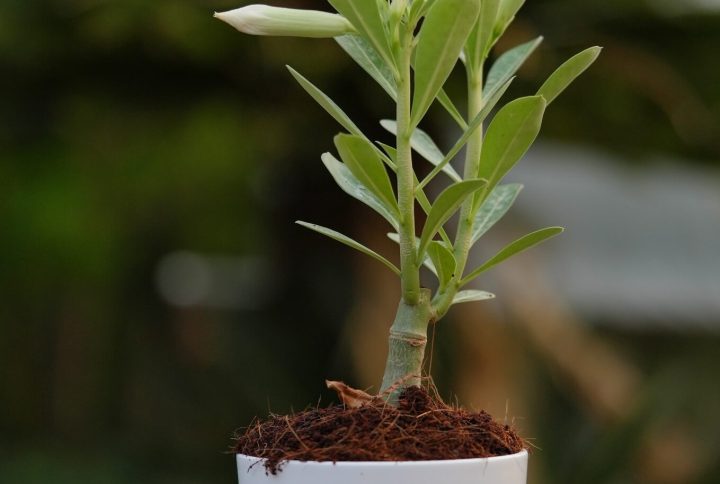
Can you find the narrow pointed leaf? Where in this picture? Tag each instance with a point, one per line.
(425, 204)
(472, 295)
(350, 243)
(508, 64)
(506, 13)
(452, 110)
(449, 105)
(352, 186)
(425, 146)
(443, 261)
(444, 207)
(368, 58)
(441, 39)
(389, 150)
(326, 103)
(478, 43)
(362, 160)
(567, 73)
(520, 245)
(494, 208)
(509, 136)
(367, 19)
(334, 110)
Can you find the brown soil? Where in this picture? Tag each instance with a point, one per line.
(421, 427)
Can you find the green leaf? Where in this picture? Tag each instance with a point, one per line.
(494, 208)
(350, 243)
(425, 204)
(488, 104)
(472, 295)
(478, 43)
(444, 207)
(389, 150)
(508, 64)
(425, 146)
(363, 161)
(443, 260)
(352, 186)
(327, 103)
(367, 57)
(334, 110)
(367, 19)
(520, 245)
(449, 106)
(506, 13)
(509, 136)
(441, 39)
(567, 73)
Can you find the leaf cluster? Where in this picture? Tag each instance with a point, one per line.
(436, 35)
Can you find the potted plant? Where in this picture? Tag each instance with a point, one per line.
(410, 47)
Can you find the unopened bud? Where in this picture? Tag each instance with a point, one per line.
(277, 21)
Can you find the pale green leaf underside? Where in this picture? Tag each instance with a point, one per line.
(425, 146)
(366, 18)
(441, 39)
(367, 57)
(567, 73)
(350, 243)
(363, 161)
(352, 186)
(472, 295)
(494, 208)
(520, 245)
(508, 64)
(444, 207)
(509, 136)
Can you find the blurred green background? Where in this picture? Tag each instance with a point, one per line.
(157, 296)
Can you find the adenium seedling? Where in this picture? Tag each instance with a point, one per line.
(411, 65)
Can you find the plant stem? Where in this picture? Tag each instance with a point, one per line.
(408, 334)
(406, 352)
(409, 268)
(463, 236)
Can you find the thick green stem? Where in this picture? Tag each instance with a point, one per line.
(406, 352)
(463, 236)
(472, 164)
(408, 334)
(409, 268)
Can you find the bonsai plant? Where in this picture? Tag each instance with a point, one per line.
(410, 48)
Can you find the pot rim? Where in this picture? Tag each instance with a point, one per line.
(439, 462)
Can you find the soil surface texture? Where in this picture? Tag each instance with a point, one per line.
(421, 427)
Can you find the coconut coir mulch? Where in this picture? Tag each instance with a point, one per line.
(421, 427)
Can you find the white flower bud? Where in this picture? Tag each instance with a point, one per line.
(277, 21)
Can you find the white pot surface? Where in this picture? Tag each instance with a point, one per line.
(508, 469)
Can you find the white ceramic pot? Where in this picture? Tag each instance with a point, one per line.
(508, 469)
